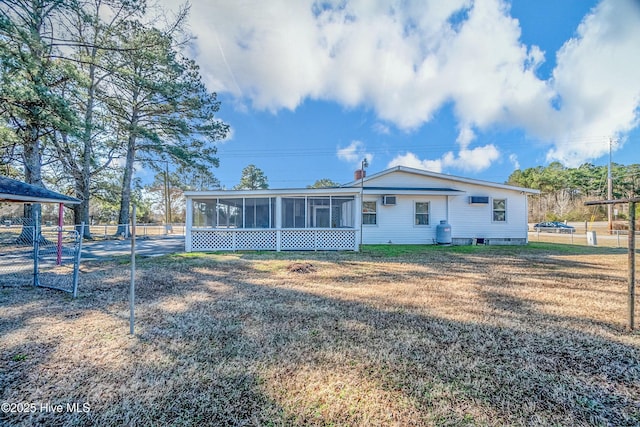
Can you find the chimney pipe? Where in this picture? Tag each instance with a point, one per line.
(359, 174)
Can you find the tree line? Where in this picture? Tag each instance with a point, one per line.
(564, 190)
(91, 89)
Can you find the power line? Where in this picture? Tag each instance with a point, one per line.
(304, 151)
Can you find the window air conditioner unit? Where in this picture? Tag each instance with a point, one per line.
(388, 200)
(474, 200)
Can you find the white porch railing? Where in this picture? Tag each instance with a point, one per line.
(273, 239)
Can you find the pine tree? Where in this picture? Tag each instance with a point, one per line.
(252, 178)
(31, 80)
(162, 107)
(324, 183)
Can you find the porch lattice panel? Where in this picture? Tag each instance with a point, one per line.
(336, 239)
(256, 240)
(214, 240)
(318, 240)
(297, 240)
(232, 240)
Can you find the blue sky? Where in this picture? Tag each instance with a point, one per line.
(475, 88)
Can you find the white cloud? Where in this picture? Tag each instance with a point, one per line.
(465, 137)
(412, 161)
(405, 60)
(381, 129)
(474, 160)
(354, 153)
(597, 82)
(513, 158)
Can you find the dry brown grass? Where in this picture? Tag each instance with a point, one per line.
(489, 336)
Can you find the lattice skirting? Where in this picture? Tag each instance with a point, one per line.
(231, 240)
(256, 240)
(318, 240)
(212, 240)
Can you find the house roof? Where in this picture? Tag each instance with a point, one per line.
(358, 185)
(273, 192)
(430, 174)
(431, 191)
(12, 190)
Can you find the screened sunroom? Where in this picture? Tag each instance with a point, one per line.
(271, 220)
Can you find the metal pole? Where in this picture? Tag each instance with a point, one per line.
(609, 192)
(60, 224)
(36, 249)
(632, 263)
(76, 269)
(132, 286)
(168, 193)
(166, 198)
(361, 205)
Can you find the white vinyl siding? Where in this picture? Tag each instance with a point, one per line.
(470, 221)
(467, 221)
(397, 223)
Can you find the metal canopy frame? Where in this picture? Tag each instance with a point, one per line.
(14, 191)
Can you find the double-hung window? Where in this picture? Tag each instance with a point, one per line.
(369, 213)
(422, 213)
(499, 210)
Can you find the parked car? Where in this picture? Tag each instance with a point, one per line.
(554, 227)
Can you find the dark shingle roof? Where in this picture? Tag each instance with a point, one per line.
(12, 190)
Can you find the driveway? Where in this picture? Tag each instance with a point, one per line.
(151, 246)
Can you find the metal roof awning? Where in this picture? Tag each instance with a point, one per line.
(12, 190)
(292, 192)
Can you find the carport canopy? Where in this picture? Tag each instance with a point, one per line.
(14, 191)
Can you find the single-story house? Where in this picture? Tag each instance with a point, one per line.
(400, 205)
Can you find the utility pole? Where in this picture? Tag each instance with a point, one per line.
(610, 192)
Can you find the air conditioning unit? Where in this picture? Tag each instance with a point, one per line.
(478, 200)
(388, 200)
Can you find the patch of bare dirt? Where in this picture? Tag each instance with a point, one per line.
(301, 267)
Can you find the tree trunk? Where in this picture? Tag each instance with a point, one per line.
(80, 215)
(81, 211)
(125, 199)
(33, 175)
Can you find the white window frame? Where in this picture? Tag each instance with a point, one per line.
(415, 213)
(375, 202)
(494, 210)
